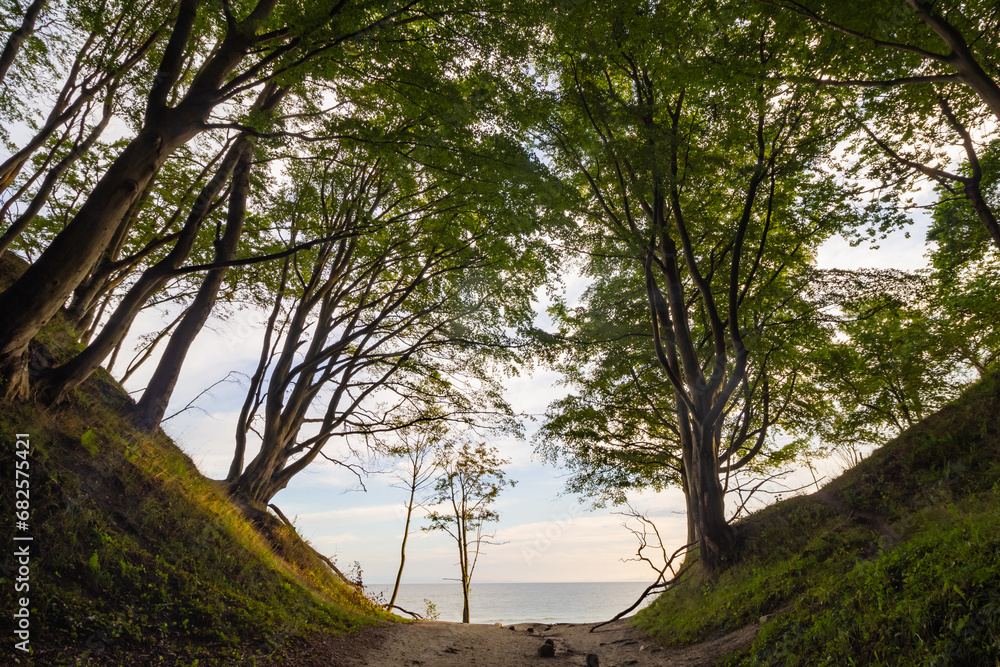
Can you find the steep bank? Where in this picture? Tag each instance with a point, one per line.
(136, 558)
(896, 562)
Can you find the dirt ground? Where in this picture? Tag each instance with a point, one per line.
(439, 644)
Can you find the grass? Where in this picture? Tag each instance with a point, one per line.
(897, 562)
(139, 559)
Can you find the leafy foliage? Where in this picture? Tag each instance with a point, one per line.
(701, 206)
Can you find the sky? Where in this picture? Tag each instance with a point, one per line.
(544, 534)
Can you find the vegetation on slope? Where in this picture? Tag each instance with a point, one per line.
(137, 558)
(897, 562)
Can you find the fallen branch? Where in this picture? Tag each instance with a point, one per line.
(661, 581)
(281, 515)
(649, 589)
(414, 615)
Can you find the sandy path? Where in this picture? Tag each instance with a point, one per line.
(439, 644)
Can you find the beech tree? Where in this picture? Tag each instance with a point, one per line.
(415, 297)
(709, 196)
(617, 430)
(365, 175)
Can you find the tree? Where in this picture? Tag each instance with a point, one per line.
(907, 343)
(401, 302)
(964, 291)
(471, 481)
(419, 457)
(710, 197)
(236, 166)
(617, 430)
(885, 369)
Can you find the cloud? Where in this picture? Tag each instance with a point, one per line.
(334, 540)
(356, 515)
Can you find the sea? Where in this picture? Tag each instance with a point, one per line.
(519, 603)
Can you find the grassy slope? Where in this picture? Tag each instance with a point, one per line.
(137, 558)
(897, 562)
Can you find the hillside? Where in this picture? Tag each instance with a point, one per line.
(136, 558)
(896, 562)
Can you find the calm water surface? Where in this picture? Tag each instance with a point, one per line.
(520, 603)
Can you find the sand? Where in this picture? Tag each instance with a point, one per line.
(440, 644)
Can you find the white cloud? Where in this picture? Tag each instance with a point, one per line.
(353, 515)
(334, 540)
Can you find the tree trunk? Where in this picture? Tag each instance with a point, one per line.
(284, 413)
(463, 548)
(461, 527)
(108, 272)
(706, 502)
(465, 602)
(34, 298)
(269, 472)
(699, 408)
(961, 57)
(17, 37)
(402, 548)
(257, 483)
(70, 375)
(692, 531)
(153, 404)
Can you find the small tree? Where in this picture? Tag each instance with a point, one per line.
(472, 479)
(418, 464)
